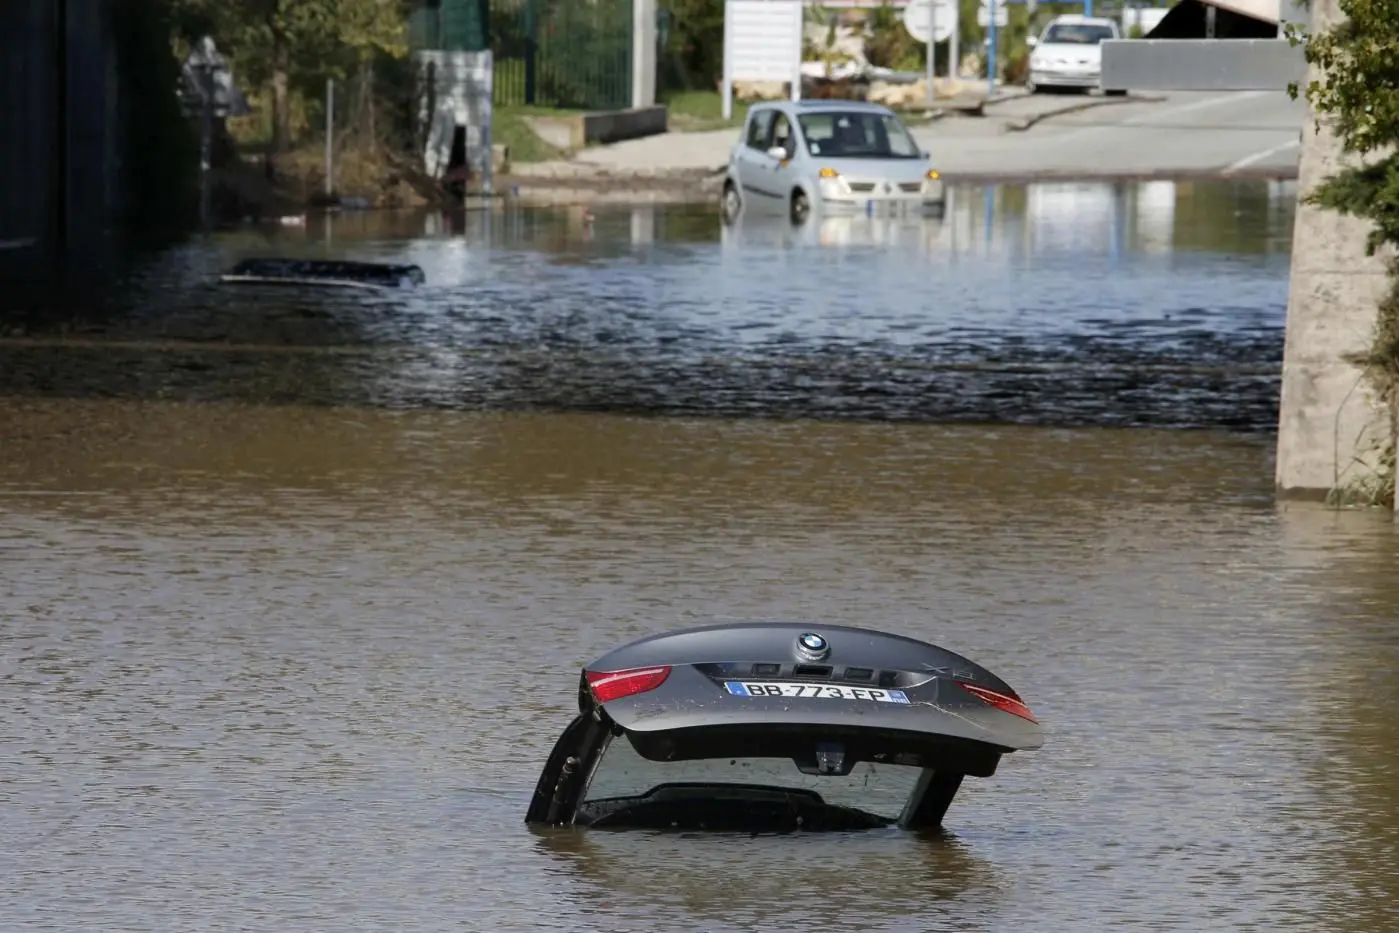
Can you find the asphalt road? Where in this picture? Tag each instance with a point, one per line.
(1240, 133)
(1246, 133)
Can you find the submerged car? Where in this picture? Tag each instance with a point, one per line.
(329, 273)
(1069, 54)
(798, 156)
(777, 727)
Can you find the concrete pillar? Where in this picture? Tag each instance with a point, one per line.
(643, 53)
(1330, 424)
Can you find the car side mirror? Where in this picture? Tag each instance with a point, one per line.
(1032, 41)
(778, 153)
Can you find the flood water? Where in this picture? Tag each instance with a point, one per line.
(289, 624)
(1150, 305)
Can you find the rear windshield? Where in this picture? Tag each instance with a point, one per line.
(878, 789)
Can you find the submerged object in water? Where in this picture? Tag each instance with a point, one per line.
(332, 273)
(778, 726)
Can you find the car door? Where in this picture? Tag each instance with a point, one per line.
(779, 177)
(752, 160)
(556, 794)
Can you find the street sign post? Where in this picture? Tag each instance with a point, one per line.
(930, 18)
(990, 15)
(930, 22)
(983, 16)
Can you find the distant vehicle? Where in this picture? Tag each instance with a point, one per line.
(1068, 54)
(798, 156)
(777, 727)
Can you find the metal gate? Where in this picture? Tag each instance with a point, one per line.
(573, 54)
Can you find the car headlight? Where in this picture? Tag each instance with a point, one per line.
(831, 182)
(934, 174)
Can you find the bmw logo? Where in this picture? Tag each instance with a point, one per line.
(813, 645)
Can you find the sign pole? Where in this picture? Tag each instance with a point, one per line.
(932, 36)
(954, 46)
(329, 137)
(799, 12)
(728, 89)
(488, 127)
(991, 49)
(206, 137)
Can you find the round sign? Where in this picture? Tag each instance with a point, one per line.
(943, 16)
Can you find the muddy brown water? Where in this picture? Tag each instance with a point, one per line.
(268, 662)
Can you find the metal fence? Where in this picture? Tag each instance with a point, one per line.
(449, 25)
(563, 53)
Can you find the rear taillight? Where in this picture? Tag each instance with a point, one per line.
(613, 685)
(1010, 704)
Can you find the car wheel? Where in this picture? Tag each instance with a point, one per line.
(801, 206)
(730, 203)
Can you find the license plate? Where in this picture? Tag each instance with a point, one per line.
(814, 691)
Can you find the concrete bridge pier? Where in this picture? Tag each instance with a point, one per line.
(1331, 426)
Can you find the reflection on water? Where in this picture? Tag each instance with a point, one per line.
(1046, 304)
(725, 880)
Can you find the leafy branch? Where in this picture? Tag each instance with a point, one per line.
(1358, 95)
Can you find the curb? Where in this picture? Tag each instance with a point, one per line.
(1003, 98)
(1022, 125)
(1101, 176)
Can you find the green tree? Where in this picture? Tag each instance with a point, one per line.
(695, 43)
(273, 42)
(1359, 95)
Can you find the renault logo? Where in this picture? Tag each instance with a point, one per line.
(812, 645)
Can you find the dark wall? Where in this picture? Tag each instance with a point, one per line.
(59, 140)
(1187, 21)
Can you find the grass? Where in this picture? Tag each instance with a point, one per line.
(694, 111)
(690, 111)
(510, 127)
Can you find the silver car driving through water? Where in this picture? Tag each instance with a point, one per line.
(796, 156)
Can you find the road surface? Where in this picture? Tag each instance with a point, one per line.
(1241, 132)
(1185, 133)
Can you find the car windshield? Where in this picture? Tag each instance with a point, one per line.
(857, 135)
(1077, 34)
(740, 793)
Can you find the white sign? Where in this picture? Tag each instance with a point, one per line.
(983, 16)
(762, 42)
(943, 16)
